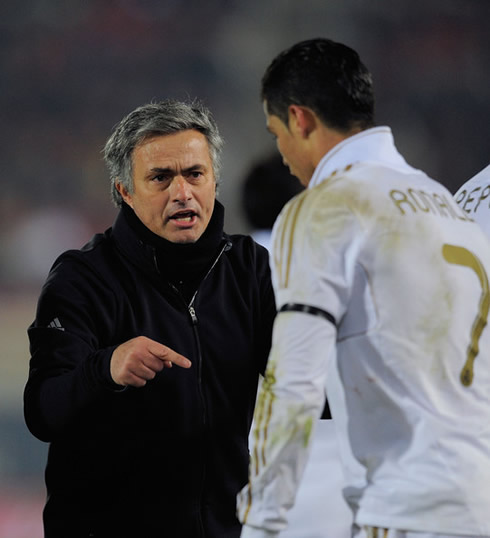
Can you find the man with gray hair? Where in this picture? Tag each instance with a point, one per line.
(147, 345)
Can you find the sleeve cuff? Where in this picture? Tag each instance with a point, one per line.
(255, 532)
(108, 382)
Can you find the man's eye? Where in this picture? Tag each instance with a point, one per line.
(160, 178)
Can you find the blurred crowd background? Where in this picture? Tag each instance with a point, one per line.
(70, 70)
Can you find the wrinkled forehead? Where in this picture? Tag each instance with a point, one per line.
(187, 149)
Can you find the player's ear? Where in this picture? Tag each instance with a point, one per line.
(302, 119)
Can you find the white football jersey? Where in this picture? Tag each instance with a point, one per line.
(382, 290)
(474, 198)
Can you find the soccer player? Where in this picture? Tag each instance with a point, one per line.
(474, 198)
(382, 290)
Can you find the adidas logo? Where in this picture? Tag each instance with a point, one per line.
(55, 324)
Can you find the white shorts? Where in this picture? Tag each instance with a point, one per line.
(376, 532)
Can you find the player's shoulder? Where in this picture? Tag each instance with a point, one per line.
(476, 183)
(332, 195)
(355, 188)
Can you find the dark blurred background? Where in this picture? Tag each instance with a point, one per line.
(70, 70)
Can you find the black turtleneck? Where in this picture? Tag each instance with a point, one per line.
(182, 264)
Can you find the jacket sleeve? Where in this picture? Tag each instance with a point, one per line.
(70, 365)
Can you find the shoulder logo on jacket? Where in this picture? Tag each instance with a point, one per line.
(55, 324)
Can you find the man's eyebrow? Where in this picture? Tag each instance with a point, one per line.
(171, 171)
(159, 171)
(194, 167)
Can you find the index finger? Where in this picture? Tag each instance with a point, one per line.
(164, 353)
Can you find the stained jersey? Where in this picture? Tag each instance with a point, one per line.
(381, 281)
(474, 198)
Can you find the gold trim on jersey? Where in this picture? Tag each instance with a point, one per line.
(375, 532)
(283, 248)
(283, 252)
(262, 418)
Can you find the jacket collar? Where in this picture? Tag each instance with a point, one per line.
(152, 253)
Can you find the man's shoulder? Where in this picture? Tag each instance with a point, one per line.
(247, 251)
(91, 257)
(96, 247)
(243, 242)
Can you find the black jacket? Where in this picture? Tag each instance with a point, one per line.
(167, 459)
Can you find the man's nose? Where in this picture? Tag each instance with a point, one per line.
(181, 190)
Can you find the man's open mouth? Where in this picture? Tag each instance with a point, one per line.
(184, 216)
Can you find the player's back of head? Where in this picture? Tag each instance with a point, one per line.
(327, 77)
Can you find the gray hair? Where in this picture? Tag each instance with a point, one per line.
(156, 119)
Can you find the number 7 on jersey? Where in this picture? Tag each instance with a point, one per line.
(462, 256)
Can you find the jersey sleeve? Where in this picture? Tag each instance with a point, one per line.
(311, 268)
(290, 400)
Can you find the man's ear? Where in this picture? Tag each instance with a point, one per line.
(302, 119)
(124, 193)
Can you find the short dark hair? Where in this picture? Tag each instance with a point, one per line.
(157, 119)
(325, 76)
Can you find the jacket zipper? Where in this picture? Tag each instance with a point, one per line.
(194, 320)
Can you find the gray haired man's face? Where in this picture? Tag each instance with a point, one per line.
(174, 187)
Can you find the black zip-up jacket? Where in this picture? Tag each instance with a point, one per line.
(167, 459)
